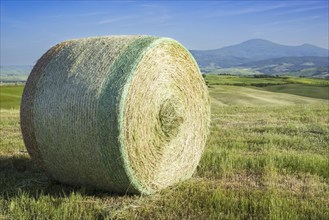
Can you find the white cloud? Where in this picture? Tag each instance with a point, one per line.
(114, 19)
(292, 21)
(247, 10)
(87, 14)
(298, 10)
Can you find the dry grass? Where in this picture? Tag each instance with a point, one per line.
(260, 162)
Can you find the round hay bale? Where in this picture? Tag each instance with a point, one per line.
(128, 114)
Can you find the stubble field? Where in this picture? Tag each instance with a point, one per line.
(267, 157)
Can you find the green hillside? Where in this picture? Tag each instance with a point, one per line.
(243, 96)
(242, 81)
(10, 96)
(296, 66)
(260, 80)
(321, 92)
(283, 89)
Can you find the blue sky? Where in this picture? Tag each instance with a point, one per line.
(29, 28)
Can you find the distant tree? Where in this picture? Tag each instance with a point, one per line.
(205, 80)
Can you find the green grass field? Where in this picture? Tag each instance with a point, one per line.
(267, 157)
(260, 82)
(314, 91)
(10, 96)
(232, 71)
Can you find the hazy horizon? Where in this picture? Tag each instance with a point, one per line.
(28, 29)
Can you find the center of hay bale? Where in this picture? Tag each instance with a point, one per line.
(170, 119)
(168, 111)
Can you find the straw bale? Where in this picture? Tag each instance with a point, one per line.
(128, 114)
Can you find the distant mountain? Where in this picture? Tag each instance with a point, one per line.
(15, 70)
(253, 50)
(15, 73)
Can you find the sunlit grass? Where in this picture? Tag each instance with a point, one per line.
(10, 96)
(263, 160)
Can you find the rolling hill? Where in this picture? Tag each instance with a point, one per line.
(308, 66)
(15, 70)
(254, 50)
(14, 73)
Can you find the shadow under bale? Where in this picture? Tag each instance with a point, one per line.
(19, 174)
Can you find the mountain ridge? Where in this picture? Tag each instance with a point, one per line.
(253, 50)
(263, 41)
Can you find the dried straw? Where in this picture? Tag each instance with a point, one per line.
(121, 113)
